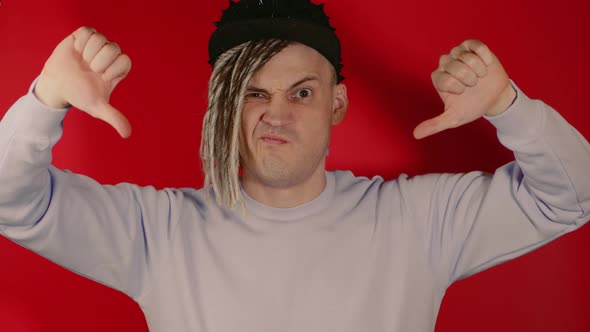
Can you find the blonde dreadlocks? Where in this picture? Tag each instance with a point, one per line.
(220, 143)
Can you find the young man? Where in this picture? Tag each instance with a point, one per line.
(287, 246)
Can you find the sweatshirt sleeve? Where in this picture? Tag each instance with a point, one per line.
(473, 221)
(110, 234)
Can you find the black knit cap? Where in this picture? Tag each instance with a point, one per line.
(294, 20)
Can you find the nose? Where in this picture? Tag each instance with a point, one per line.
(277, 113)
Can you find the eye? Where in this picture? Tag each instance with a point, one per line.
(303, 93)
(255, 95)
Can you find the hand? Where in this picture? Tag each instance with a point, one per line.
(83, 71)
(471, 83)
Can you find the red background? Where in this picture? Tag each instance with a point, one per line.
(389, 50)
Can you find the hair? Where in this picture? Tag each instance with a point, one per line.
(221, 126)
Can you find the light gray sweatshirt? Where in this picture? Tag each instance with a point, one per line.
(365, 255)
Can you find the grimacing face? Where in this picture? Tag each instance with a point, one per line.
(290, 106)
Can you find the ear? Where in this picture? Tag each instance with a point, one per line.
(339, 104)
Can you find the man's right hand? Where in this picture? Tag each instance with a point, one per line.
(82, 72)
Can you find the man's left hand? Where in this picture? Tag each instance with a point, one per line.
(471, 83)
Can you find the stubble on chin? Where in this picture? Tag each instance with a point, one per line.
(274, 171)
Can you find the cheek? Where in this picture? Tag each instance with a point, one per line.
(317, 127)
(249, 121)
(323, 114)
(247, 126)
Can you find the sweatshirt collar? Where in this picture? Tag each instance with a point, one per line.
(295, 213)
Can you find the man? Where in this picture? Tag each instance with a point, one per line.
(287, 245)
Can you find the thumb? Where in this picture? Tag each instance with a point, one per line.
(113, 117)
(434, 126)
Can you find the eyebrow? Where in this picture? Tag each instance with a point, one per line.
(301, 81)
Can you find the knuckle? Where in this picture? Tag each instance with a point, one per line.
(86, 28)
(443, 60)
(94, 66)
(464, 74)
(125, 58)
(96, 39)
(456, 50)
(471, 42)
(434, 75)
(115, 46)
(126, 61)
(481, 47)
(469, 59)
(448, 83)
(99, 37)
(112, 48)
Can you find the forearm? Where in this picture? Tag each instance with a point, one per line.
(28, 132)
(474, 221)
(70, 219)
(554, 159)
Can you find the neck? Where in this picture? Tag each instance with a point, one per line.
(287, 196)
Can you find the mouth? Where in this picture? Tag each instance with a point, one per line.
(273, 139)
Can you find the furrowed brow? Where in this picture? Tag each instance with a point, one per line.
(252, 88)
(303, 80)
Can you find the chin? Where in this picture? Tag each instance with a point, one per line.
(278, 178)
(275, 172)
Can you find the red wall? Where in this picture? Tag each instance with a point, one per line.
(389, 50)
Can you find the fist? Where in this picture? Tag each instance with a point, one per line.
(471, 83)
(83, 71)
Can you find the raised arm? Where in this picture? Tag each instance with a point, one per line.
(472, 221)
(106, 233)
(83, 71)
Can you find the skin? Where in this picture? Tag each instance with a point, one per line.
(285, 129)
(471, 83)
(83, 71)
(289, 110)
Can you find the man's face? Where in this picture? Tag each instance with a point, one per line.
(290, 106)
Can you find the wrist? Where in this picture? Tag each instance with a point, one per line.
(44, 91)
(506, 99)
